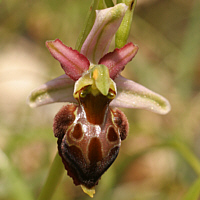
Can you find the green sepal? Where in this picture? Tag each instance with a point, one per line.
(194, 191)
(124, 29)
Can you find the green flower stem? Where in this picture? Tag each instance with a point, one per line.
(194, 191)
(90, 18)
(54, 176)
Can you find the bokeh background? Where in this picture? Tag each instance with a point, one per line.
(154, 162)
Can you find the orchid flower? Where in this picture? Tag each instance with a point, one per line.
(89, 127)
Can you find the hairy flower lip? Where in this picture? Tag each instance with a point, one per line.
(87, 147)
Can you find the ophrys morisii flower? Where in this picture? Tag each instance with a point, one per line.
(89, 127)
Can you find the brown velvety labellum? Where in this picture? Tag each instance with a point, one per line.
(89, 137)
(78, 168)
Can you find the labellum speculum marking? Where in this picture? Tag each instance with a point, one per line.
(90, 132)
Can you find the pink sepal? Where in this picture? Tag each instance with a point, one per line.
(59, 89)
(133, 95)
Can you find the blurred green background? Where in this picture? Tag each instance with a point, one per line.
(153, 163)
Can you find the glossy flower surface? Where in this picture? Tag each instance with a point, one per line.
(89, 128)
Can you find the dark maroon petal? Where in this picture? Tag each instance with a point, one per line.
(72, 62)
(116, 60)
